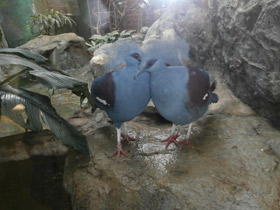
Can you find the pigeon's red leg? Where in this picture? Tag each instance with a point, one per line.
(119, 151)
(124, 136)
(187, 140)
(170, 139)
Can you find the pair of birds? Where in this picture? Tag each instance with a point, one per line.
(181, 94)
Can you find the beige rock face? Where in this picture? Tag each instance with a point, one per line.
(66, 51)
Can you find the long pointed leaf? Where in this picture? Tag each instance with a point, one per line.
(39, 104)
(26, 53)
(6, 59)
(55, 80)
(8, 103)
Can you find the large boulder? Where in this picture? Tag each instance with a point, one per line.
(242, 35)
(66, 51)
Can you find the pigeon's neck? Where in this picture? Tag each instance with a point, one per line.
(158, 68)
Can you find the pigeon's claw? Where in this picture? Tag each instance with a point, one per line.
(184, 143)
(119, 151)
(127, 138)
(170, 139)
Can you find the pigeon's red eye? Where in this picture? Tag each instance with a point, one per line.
(150, 63)
(136, 56)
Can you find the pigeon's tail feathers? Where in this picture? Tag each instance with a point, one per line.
(213, 86)
(214, 98)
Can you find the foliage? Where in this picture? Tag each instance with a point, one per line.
(1, 36)
(111, 14)
(25, 53)
(98, 40)
(50, 22)
(2, 4)
(37, 108)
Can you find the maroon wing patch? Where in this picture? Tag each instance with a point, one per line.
(105, 90)
(198, 86)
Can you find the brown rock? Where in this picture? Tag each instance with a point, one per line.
(66, 51)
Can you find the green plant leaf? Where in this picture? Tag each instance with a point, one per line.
(97, 37)
(58, 18)
(55, 80)
(92, 43)
(69, 21)
(93, 48)
(89, 45)
(51, 21)
(45, 23)
(113, 33)
(125, 33)
(112, 39)
(43, 75)
(38, 109)
(58, 24)
(26, 53)
(7, 59)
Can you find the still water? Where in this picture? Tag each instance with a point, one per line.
(33, 184)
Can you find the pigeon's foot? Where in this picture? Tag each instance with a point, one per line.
(170, 139)
(127, 138)
(119, 151)
(185, 142)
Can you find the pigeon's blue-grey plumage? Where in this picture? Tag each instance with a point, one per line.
(119, 95)
(181, 94)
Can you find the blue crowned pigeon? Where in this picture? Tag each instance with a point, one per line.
(120, 96)
(181, 94)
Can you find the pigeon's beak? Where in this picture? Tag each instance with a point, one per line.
(140, 71)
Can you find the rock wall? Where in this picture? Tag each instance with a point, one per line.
(243, 36)
(66, 51)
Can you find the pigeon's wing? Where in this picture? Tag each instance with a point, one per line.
(198, 87)
(103, 90)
